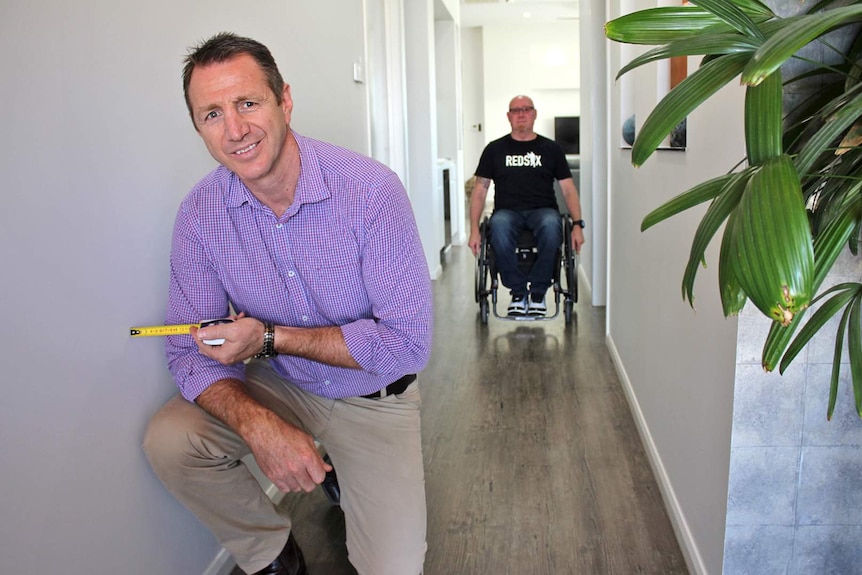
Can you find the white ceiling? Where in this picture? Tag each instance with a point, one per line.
(482, 12)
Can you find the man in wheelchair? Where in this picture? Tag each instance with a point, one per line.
(523, 166)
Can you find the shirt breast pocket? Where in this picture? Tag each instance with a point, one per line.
(332, 274)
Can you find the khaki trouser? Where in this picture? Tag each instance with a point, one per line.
(374, 445)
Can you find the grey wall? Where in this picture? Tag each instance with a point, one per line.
(676, 363)
(97, 151)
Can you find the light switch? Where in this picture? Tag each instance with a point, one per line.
(358, 73)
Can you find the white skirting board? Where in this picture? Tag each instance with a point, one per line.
(693, 559)
(223, 564)
(586, 293)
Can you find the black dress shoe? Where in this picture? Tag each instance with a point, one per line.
(330, 484)
(289, 562)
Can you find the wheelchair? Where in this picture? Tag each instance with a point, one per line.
(487, 280)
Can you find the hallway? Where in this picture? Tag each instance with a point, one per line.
(533, 461)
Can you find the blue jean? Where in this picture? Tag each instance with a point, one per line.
(505, 227)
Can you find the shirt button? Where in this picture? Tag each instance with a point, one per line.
(278, 226)
(327, 382)
(305, 318)
(291, 273)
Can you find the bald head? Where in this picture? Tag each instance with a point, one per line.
(522, 116)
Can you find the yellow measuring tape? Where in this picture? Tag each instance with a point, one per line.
(149, 330)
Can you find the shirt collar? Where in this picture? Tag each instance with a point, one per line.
(310, 188)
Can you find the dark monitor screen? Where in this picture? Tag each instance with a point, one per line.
(567, 133)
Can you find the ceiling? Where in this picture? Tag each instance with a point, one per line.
(482, 12)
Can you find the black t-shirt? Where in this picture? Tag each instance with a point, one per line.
(523, 172)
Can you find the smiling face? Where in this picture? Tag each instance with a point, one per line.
(240, 120)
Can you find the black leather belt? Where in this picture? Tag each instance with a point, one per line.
(393, 388)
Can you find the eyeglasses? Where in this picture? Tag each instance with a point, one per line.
(523, 110)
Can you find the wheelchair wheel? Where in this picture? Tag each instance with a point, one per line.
(572, 278)
(483, 310)
(570, 267)
(477, 281)
(481, 274)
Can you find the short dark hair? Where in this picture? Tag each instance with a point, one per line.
(221, 48)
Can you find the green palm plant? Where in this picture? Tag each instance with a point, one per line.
(795, 202)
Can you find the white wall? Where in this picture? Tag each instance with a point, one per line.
(593, 185)
(543, 63)
(422, 134)
(676, 364)
(97, 153)
(472, 98)
(449, 130)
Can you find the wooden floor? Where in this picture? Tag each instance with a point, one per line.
(533, 462)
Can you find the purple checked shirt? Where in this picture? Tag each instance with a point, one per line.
(346, 253)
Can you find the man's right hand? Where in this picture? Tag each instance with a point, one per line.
(475, 240)
(286, 454)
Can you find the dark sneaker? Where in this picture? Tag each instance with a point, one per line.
(518, 307)
(537, 306)
(330, 484)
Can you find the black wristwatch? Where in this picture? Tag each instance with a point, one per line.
(268, 341)
(581, 223)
